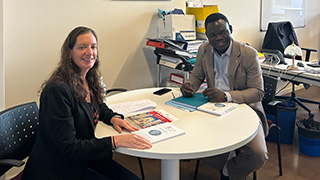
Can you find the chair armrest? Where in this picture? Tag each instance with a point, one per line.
(308, 51)
(116, 89)
(274, 103)
(11, 162)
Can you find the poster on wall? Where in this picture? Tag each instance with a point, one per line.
(282, 10)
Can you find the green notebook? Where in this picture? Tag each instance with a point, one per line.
(188, 103)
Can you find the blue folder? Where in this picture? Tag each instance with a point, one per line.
(188, 103)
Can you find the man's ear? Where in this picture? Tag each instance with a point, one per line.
(230, 27)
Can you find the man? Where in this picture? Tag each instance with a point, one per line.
(233, 74)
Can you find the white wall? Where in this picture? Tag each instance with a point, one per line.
(34, 31)
(2, 97)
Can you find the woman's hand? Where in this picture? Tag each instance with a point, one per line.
(119, 123)
(132, 141)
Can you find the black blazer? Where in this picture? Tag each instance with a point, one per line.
(65, 141)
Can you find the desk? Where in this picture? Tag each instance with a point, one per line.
(206, 134)
(302, 75)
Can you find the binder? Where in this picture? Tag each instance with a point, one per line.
(155, 44)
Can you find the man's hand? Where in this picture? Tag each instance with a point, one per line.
(214, 95)
(187, 89)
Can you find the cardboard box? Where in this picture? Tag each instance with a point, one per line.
(177, 27)
(201, 13)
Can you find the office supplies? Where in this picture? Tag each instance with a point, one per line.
(314, 64)
(177, 27)
(218, 109)
(188, 103)
(162, 91)
(155, 44)
(273, 57)
(131, 107)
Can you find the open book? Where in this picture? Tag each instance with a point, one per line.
(151, 118)
(218, 108)
(160, 132)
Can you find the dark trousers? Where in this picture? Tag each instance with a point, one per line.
(102, 170)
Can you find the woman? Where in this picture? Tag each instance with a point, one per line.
(70, 107)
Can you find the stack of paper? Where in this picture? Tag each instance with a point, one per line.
(133, 106)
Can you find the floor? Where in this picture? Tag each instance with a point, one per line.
(296, 165)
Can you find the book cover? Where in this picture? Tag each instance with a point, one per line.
(160, 132)
(188, 103)
(151, 118)
(218, 109)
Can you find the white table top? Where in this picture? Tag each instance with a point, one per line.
(304, 74)
(206, 134)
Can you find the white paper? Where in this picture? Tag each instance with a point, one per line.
(160, 132)
(133, 106)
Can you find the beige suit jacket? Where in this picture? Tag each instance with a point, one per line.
(245, 75)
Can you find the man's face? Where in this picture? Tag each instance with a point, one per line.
(219, 35)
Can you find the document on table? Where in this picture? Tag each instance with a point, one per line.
(133, 106)
(159, 132)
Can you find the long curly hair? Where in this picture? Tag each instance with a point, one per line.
(68, 72)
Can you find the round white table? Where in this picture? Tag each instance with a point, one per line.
(206, 134)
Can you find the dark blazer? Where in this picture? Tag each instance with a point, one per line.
(66, 142)
(245, 75)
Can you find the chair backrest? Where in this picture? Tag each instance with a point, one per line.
(18, 127)
(270, 86)
(279, 35)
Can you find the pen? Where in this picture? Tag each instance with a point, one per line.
(173, 95)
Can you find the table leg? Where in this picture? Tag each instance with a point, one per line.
(158, 75)
(170, 169)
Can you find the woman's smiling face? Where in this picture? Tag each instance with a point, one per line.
(84, 52)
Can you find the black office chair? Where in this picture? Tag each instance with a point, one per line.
(114, 90)
(278, 36)
(270, 105)
(18, 127)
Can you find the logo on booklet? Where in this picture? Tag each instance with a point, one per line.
(155, 132)
(219, 105)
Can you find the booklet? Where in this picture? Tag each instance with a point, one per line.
(160, 132)
(218, 108)
(151, 118)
